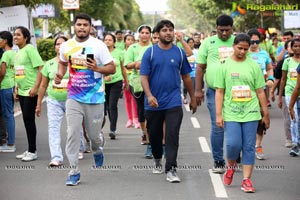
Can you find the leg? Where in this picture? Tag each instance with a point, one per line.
(287, 122)
(216, 133)
(248, 149)
(74, 115)
(155, 129)
(56, 112)
(173, 121)
(7, 100)
(115, 91)
(28, 109)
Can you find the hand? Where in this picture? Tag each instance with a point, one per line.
(33, 92)
(279, 102)
(193, 105)
(199, 97)
(91, 64)
(220, 121)
(107, 78)
(292, 113)
(16, 96)
(179, 36)
(38, 110)
(272, 96)
(58, 77)
(152, 101)
(266, 121)
(137, 65)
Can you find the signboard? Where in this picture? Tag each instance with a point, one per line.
(70, 4)
(291, 19)
(43, 11)
(12, 17)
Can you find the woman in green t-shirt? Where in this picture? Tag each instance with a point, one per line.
(114, 84)
(239, 95)
(7, 84)
(28, 64)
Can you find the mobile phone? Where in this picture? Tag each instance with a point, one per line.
(91, 56)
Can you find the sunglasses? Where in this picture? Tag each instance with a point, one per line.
(254, 41)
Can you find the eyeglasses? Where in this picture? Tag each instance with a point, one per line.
(254, 41)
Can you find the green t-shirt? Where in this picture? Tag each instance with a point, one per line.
(290, 65)
(211, 52)
(117, 55)
(120, 45)
(56, 92)
(9, 77)
(134, 53)
(27, 61)
(240, 81)
(267, 46)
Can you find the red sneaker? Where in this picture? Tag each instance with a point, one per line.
(228, 175)
(247, 186)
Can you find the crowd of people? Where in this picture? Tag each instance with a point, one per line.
(234, 74)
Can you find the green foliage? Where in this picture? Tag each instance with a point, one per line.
(46, 48)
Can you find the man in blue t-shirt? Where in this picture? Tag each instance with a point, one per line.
(162, 68)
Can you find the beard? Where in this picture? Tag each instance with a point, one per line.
(165, 42)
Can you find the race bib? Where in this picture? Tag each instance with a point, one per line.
(241, 93)
(20, 71)
(62, 87)
(293, 74)
(224, 52)
(79, 61)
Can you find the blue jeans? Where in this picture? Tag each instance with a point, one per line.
(294, 123)
(241, 136)
(216, 133)
(7, 104)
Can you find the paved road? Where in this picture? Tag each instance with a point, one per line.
(127, 174)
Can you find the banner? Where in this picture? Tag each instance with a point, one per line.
(12, 17)
(70, 4)
(291, 19)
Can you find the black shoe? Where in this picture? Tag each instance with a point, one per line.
(112, 135)
(219, 167)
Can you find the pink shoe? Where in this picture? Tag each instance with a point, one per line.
(137, 125)
(129, 124)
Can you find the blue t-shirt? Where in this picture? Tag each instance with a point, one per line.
(164, 70)
(279, 50)
(262, 58)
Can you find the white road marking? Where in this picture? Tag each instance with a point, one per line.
(195, 122)
(218, 185)
(204, 145)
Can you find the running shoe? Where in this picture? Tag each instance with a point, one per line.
(259, 153)
(219, 167)
(247, 186)
(73, 179)
(172, 176)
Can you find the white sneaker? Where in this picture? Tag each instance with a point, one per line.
(288, 143)
(80, 155)
(6, 148)
(20, 156)
(172, 176)
(157, 168)
(30, 157)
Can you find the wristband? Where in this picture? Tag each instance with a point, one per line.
(271, 78)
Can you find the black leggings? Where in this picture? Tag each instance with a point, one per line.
(139, 98)
(28, 105)
(112, 95)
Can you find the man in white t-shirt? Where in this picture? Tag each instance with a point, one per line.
(88, 60)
